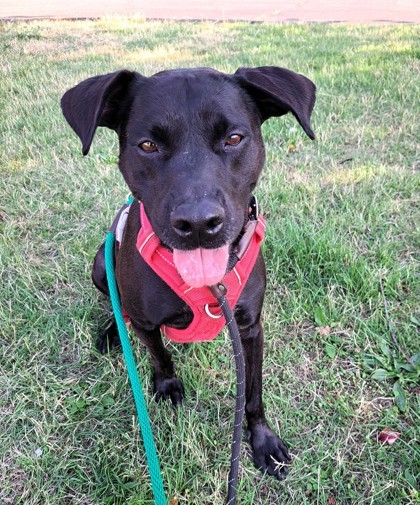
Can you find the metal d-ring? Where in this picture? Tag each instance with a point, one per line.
(213, 316)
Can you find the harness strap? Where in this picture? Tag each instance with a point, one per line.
(201, 301)
(207, 322)
(118, 225)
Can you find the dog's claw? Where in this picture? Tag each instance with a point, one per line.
(169, 389)
(270, 453)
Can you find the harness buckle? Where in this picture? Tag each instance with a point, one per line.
(254, 210)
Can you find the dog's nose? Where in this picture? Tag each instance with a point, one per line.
(202, 220)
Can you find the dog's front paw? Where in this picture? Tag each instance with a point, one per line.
(270, 453)
(169, 389)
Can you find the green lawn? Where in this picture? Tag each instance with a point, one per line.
(342, 214)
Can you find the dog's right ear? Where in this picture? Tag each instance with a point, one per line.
(98, 101)
(277, 91)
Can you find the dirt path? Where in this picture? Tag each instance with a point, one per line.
(356, 11)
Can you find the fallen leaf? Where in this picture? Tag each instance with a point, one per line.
(324, 331)
(292, 148)
(388, 436)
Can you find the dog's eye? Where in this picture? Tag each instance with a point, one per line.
(148, 146)
(234, 140)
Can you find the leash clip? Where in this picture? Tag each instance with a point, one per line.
(218, 290)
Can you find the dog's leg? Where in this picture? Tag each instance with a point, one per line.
(166, 385)
(270, 453)
(98, 271)
(109, 338)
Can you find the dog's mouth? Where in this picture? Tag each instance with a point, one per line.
(202, 267)
(207, 264)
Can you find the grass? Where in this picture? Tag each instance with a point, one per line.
(340, 210)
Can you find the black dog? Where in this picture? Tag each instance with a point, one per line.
(191, 151)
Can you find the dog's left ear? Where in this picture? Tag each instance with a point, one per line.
(277, 91)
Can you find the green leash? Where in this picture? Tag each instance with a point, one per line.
(146, 430)
(219, 293)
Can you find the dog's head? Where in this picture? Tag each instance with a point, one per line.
(190, 144)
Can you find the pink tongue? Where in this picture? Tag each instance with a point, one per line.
(202, 267)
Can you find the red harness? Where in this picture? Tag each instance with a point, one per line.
(208, 320)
